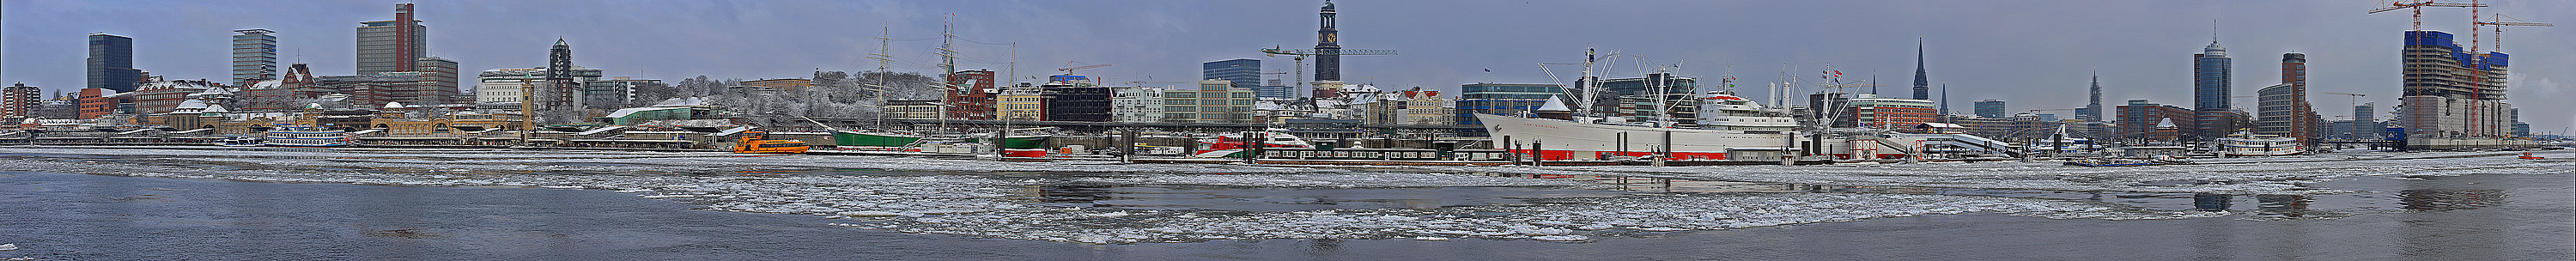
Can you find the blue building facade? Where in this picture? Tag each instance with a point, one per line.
(1245, 73)
(1992, 109)
(1501, 99)
(111, 63)
(2210, 79)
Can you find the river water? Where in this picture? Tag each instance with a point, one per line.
(106, 216)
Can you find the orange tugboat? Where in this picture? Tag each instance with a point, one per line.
(759, 142)
(2528, 156)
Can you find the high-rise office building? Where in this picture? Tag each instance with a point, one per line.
(1992, 109)
(438, 83)
(2210, 81)
(392, 45)
(2451, 93)
(111, 63)
(2283, 109)
(254, 56)
(20, 101)
(1245, 73)
(559, 91)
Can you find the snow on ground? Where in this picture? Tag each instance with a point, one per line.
(983, 198)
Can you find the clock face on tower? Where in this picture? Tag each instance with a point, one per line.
(1328, 38)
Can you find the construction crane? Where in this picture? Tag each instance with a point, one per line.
(1301, 54)
(2418, 8)
(2499, 23)
(1069, 70)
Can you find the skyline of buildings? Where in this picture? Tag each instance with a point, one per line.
(427, 66)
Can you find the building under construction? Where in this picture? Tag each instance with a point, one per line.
(2454, 98)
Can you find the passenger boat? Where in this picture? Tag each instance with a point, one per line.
(2243, 144)
(307, 136)
(1232, 145)
(759, 142)
(238, 141)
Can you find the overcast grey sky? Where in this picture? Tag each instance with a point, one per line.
(2033, 54)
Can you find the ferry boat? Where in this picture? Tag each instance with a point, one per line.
(759, 142)
(238, 141)
(2243, 144)
(1231, 145)
(307, 136)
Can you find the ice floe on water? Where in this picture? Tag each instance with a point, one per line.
(982, 198)
(1332, 180)
(2230, 176)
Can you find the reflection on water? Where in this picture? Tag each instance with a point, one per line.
(2450, 199)
(2210, 202)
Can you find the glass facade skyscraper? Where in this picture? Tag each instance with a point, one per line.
(1245, 73)
(111, 63)
(254, 56)
(2210, 79)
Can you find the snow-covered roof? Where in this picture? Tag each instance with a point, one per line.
(268, 84)
(599, 130)
(1943, 125)
(191, 104)
(682, 101)
(621, 113)
(215, 108)
(2166, 123)
(1554, 104)
(393, 105)
(730, 132)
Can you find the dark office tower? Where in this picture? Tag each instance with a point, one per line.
(559, 83)
(1922, 83)
(111, 63)
(2210, 91)
(392, 45)
(254, 56)
(1328, 48)
(1245, 73)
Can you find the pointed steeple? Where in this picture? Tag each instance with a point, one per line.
(2093, 109)
(1922, 83)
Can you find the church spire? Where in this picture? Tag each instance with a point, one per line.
(1922, 83)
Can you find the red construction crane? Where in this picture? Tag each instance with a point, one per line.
(2419, 9)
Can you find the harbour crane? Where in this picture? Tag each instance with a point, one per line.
(1301, 54)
